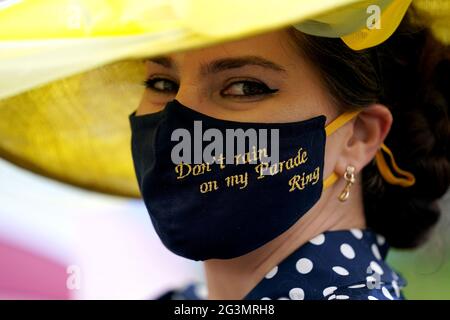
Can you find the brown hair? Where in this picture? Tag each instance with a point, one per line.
(410, 74)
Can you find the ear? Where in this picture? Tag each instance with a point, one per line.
(367, 133)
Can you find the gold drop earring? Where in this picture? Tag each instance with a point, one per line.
(349, 176)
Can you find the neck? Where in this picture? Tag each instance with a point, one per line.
(235, 278)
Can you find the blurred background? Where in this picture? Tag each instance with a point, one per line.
(62, 242)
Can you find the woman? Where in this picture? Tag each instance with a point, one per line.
(261, 241)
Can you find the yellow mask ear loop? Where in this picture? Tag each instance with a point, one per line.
(329, 129)
(408, 178)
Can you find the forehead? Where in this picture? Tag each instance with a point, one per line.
(273, 46)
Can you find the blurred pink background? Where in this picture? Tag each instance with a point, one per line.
(61, 242)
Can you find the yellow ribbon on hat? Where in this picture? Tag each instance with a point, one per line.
(351, 23)
(405, 178)
(390, 19)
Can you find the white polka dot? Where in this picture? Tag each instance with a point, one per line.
(272, 273)
(318, 240)
(375, 251)
(332, 297)
(357, 233)
(266, 298)
(376, 268)
(386, 293)
(381, 240)
(328, 291)
(396, 288)
(342, 297)
(283, 298)
(304, 265)
(371, 298)
(297, 294)
(357, 286)
(347, 251)
(340, 270)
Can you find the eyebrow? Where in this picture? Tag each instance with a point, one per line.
(223, 64)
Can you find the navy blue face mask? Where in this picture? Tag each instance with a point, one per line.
(219, 210)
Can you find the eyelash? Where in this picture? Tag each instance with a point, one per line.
(149, 84)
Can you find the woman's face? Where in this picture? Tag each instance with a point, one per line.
(258, 79)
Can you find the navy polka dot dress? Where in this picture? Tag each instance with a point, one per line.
(335, 265)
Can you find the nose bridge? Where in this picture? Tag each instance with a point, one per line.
(192, 89)
(188, 92)
(191, 93)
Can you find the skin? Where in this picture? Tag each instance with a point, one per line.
(300, 96)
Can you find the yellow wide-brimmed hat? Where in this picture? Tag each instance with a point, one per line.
(71, 70)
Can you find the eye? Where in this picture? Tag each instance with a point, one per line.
(243, 89)
(237, 89)
(161, 85)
